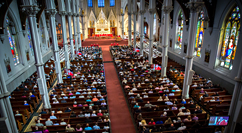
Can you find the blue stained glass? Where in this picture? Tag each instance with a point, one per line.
(112, 2)
(101, 3)
(90, 3)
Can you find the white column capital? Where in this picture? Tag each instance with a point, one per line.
(152, 10)
(142, 12)
(167, 9)
(195, 6)
(62, 13)
(51, 12)
(30, 10)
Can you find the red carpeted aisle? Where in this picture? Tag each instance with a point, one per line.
(121, 121)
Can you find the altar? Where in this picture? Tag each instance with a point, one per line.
(102, 26)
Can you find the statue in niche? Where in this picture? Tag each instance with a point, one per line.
(113, 23)
(7, 64)
(92, 23)
(185, 48)
(207, 55)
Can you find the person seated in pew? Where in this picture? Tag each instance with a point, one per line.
(182, 127)
(168, 121)
(87, 128)
(182, 107)
(138, 110)
(87, 120)
(217, 98)
(148, 104)
(56, 123)
(25, 103)
(213, 99)
(188, 112)
(180, 113)
(166, 98)
(202, 90)
(198, 110)
(69, 128)
(63, 101)
(73, 114)
(39, 124)
(65, 97)
(101, 98)
(160, 99)
(26, 88)
(168, 103)
(48, 122)
(96, 127)
(59, 111)
(56, 101)
(151, 122)
(171, 94)
(31, 94)
(17, 113)
(164, 114)
(79, 127)
(53, 116)
(142, 122)
(68, 109)
(174, 107)
(215, 94)
(192, 105)
(187, 119)
(183, 101)
(45, 130)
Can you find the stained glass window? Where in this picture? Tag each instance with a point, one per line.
(29, 37)
(12, 43)
(90, 3)
(112, 2)
(42, 32)
(145, 30)
(179, 31)
(154, 31)
(199, 34)
(230, 39)
(101, 3)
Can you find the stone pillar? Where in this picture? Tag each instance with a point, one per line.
(51, 11)
(69, 14)
(62, 13)
(78, 24)
(122, 14)
(129, 21)
(75, 26)
(167, 8)
(142, 12)
(134, 17)
(151, 28)
(194, 6)
(236, 104)
(83, 24)
(31, 9)
(5, 106)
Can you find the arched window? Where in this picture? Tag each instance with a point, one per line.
(199, 35)
(101, 3)
(112, 3)
(145, 30)
(179, 31)
(29, 38)
(42, 31)
(154, 31)
(230, 39)
(90, 3)
(11, 31)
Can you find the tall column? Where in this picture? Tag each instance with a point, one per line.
(167, 8)
(134, 17)
(69, 14)
(129, 21)
(83, 24)
(62, 13)
(78, 24)
(151, 28)
(5, 106)
(142, 12)
(74, 25)
(31, 9)
(122, 14)
(236, 104)
(194, 6)
(51, 11)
